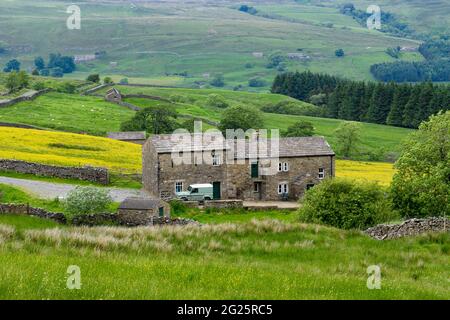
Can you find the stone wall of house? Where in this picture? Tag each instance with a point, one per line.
(188, 174)
(150, 179)
(97, 175)
(235, 179)
(302, 172)
(409, 228)
(23, 209)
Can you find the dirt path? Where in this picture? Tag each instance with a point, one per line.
(48, 190)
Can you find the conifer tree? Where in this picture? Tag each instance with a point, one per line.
(401, 97)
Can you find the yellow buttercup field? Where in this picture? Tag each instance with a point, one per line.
(370, 171)
(67, 149)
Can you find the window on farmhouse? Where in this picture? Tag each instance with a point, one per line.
(283, 167)
(283, 188)
(178, 186)
(321, 173)
(216, 160)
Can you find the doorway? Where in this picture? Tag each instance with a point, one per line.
(216, 190)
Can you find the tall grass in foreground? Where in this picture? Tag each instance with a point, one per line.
(265, 259)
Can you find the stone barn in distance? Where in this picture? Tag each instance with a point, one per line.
(142, 210)
(301, 163)
(113, 95)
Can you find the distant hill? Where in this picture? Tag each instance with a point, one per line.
(193, 43)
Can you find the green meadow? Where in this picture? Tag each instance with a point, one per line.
(260, 259)
(65, 112)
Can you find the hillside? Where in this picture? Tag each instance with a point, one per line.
(423, 16)
(191, 43)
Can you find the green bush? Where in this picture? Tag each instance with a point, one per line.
(87, 200)
(177, 207)
(346, 204)
(421, 186)
(294, 108)
(107, 80)
(38, 86)
(178, 98)
(67, 87)
(216, 101)
(93, 78)
(256, 82)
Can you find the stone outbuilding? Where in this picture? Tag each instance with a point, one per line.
(142, 211)
(113, 95)
(138, 137)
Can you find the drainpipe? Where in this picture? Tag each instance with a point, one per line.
(331, 166)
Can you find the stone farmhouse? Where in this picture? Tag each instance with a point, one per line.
(234, 169)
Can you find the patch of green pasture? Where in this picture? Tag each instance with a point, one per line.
(233, 262)
(65, 112)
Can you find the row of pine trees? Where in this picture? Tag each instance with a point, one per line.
(403, 105)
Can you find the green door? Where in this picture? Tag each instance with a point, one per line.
(216, 190)
(255, 173)
(161, 211)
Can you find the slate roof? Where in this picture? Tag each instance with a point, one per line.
(168, 143)
(131, 135)
(288, 147)
(140, 203)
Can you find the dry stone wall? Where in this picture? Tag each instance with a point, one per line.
(409, 228)
(23, 209)
(25, 97)
(91, 220)
(92, 174)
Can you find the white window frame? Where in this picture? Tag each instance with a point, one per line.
(321, 173)
(216, 160)
(256, 187)
(283, 188)
(283, 166)
(178, 184)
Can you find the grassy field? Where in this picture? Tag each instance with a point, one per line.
(14, 195)
(67, 149)
(265, 259)
(65, 112)
(163, 39)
